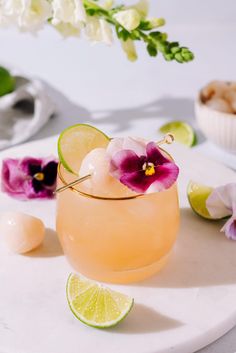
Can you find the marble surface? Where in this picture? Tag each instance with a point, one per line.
(185, 307)
(96, 84)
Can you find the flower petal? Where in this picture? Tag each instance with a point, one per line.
(155, 155)
(30, 166)
(166, 176)
(137, 181)
(220, 202)
(50, 173)
(13, 178)
(124, 161)
(37, 186)
(230, 228)
(128, 143)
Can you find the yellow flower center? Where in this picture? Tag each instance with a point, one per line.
(149, 168)
(39, 176)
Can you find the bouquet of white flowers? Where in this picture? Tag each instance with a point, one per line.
(95, 19)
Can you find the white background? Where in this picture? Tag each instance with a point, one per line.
(97, 84)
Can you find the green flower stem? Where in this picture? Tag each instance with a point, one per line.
(155, 41)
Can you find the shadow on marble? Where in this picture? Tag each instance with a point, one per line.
(202, 257)
(69, 113)
(165, 107)
(143, 319)
(50, 246)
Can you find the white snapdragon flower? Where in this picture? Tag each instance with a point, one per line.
(129, 19)
(129, 48)
(3, 18)
(27, 14)
(34, 14)
(68, 11)
(98, 30)
(107, 4)
(106, 32)
(142, 7)
(67, 30)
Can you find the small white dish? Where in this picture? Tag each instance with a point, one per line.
(218, 127)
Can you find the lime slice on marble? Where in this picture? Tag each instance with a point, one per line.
(197, 196)
(77, 141)
(7, 82)
(182, 132)
(96, 305)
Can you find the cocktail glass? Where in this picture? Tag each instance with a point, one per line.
(117, 240)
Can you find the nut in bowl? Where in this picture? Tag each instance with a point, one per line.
(215, 110)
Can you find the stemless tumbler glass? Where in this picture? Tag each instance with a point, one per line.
(116, 240)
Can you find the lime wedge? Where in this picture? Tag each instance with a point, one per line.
(7, 82)
(197, 196)
(182, 132)
(77, 141)
(94, 304)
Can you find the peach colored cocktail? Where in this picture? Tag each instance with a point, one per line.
(117, 240)
(110, 232)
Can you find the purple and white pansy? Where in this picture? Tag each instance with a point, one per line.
(29, 178)
(141, 166)
(222, 203)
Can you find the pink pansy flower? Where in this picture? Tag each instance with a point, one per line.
(222, 203)
(141, 167)
(29, 178)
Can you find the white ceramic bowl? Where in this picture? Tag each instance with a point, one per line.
(218, 127)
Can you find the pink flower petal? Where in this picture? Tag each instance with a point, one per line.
(128, 143)
(137, 181)
(26, 162)
(155, 155)
(220, 202)
(167, 175)
(13, 178)
(230, 228)
(124, 161)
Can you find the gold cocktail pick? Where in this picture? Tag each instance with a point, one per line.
(168, 139)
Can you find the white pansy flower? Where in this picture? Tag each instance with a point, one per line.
(68, 11)
(98, 30)
(129, 19)
(130, 50)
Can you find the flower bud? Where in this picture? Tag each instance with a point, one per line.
(129, 48)
(156, 22)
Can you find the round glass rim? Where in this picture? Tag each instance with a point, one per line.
(97, 197)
